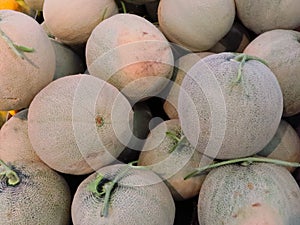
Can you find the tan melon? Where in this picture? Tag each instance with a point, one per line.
(259, 193)
(14, 140)
(173, 159)
(40, 197)
(182, 65)
(285, 145)
(281, 50)
(79, 123)
(138, 196)
(196, 25)
(227, 114)
(23, 73)
(73, 21)
(262, 16)
(132, 54)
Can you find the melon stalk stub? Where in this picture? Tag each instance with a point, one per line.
(32, 193)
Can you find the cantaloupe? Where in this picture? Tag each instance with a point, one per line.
(132, 54)
(196, 25)
(281, 50)
(73, 21)
(14, 140)
(38, 195)
(168, 153)
(119, 194)
(262, 16)
(27, 60)
(259, 193)
(228, 114)
(182, 65)
(79, 123)
(285, 145)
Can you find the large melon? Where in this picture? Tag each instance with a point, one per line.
(138, 196)
(226, 115)
(79, 123)
(259, 193)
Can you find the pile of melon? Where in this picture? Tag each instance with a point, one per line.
(153, 112)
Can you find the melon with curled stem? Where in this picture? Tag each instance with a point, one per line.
(40, 197)
(231, 100)
(168, 153)
(137, 196)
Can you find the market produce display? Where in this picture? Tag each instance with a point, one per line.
(149, 112)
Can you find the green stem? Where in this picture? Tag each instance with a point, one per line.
(17, 49)
(12, 177)
(108, 189)
(245, 161)
(123, 7)
(243, 58)
(178, 141)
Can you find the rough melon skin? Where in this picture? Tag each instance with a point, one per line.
(132, 54)
(196, 25)
(21, 79)
(183, 64)
(285, 145)
(77, 124)
(255, 194)
(228, 119)
(281, 50)
(73, 21)
(14, 140)
(261, 16)
(174, 165)
(140, 197)
(42, 197)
